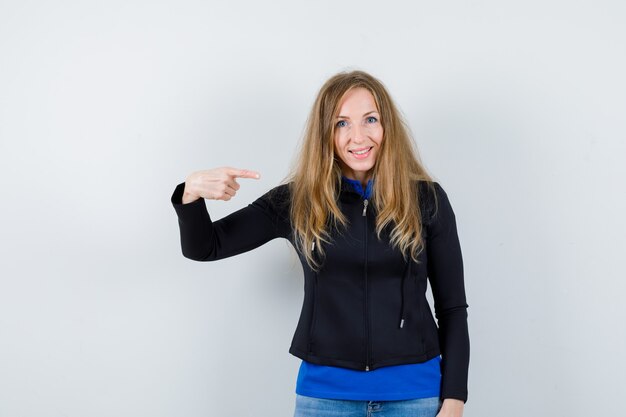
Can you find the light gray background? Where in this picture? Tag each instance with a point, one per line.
(518, 110)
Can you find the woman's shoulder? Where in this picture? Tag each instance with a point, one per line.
(428, 189)
(430, 196)
(277, 199)
(280, 194)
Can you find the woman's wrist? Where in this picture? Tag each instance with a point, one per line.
(189, 198)
(453, 402)
(452, 407)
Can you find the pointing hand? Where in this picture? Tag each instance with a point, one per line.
(215, 184)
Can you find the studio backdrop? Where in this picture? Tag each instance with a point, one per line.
(517, 109)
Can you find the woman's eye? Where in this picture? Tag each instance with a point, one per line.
(342, 123)
(372, 119)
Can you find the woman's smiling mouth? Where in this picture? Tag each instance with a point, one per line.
(361, 153)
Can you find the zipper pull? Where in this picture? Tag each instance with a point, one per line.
(401, 323)
(313, 247)
(367, 368)
(365, 203)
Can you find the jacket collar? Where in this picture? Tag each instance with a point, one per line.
(348, 184)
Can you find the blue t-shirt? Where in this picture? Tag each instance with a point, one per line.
(390, 383)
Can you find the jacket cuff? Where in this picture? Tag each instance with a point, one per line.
(195, 208)
(455, 395)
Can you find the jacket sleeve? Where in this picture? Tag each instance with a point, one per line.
(445, 273)
(250, 227)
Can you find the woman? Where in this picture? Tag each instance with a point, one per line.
(371, 228)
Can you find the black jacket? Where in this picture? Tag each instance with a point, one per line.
(366, 307)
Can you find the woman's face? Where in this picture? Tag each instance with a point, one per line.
(358, 134)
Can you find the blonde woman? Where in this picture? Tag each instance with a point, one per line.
(371, 228)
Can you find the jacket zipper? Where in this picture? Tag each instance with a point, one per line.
(367, 320)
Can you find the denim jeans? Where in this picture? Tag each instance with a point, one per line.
(319, 407)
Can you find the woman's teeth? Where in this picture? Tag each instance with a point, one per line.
(361, 152)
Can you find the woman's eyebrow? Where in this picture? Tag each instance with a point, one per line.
(346, 117)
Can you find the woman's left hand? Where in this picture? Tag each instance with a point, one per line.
(451, 408)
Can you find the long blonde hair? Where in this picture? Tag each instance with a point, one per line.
(316, 177)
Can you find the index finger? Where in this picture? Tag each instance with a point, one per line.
(244, 173)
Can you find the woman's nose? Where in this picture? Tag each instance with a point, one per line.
(358, 134)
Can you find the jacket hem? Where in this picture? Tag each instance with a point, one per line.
(360, 366)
